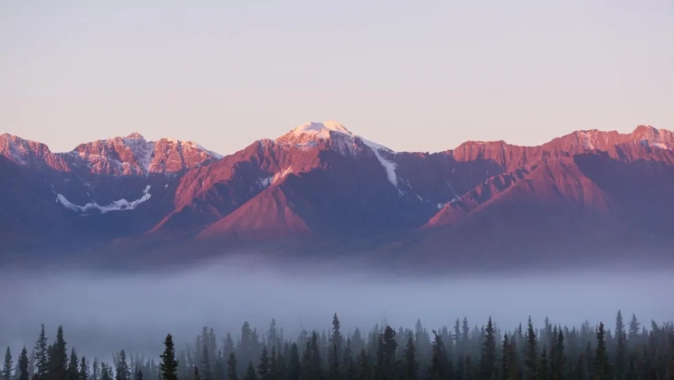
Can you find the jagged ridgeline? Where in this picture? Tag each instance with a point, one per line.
(628, 351)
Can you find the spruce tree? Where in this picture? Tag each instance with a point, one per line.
(363, 368)
(557, 363)
(264, 368)
(122, 372)
(206, 362)
(468, 369)
(621, 348)
(73, 366)
(543, 369)
(438, 368)
(41, 356)
(386, 362)
(531, 357)
(96, 370)
(7, 367)
(169, 364)
(334, 357)
(509, 367)
(139, 375)
(294, 366)
(23, 365)
(195, 375)
(348, 364)
(411, 367)
(219, 368)
(232, 373)
(634, 329)
(601, 364)
(58, 358)
(84, 369)
(488, 364)
(106, 372)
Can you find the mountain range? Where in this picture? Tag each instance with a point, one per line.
(589, 195)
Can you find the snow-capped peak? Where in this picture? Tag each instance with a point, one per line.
(313, 131)
(654, 138)
(339, 138)
(320, 130)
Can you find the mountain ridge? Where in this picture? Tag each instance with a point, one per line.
(320, 179)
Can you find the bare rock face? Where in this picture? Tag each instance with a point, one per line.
(130, 155)
(30, 153)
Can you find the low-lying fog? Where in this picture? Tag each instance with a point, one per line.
(102, 313)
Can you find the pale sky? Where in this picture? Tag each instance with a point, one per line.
(411, 75)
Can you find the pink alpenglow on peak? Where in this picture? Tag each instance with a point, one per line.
(312, 131)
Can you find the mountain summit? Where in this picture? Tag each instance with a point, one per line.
(312, 131)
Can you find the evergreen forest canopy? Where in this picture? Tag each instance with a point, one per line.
(461, 352)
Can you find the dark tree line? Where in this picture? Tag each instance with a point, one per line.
(552, 352)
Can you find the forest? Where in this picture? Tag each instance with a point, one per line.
(460, 352)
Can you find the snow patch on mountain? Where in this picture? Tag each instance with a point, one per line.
(320, 130)
(268, 181)
(586, 140)
(389, 166)
(119, 205)
(142, 150)
(197, 146)
(306, 135)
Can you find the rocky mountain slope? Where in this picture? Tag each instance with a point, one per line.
(319, 181)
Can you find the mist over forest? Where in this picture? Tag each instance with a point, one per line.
(105, 312)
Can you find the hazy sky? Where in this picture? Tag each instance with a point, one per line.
(412, 75)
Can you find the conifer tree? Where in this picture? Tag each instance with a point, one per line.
(206, 362)
(543, 369)
(7, 367)
(232, 373)
(58, 358)
(363, 369)
(411, 366)
(84, 369)
(348, 364)
(23, 365)
(488, 364)
(634, 330)
(41, 356)
(530, 358)
(509, 366)
(601, 364)
(621, 347)
(468, 369)
(139, 375)
(195, 375)
(334, 357)
(273, 364)
(264, 368)
(386, 362)
(557, 358)
(106, 372)
(96, 370)
(438, 369)
(73, 366)
(122, 372)
(219, 368)
(294, 365)
(169, 364)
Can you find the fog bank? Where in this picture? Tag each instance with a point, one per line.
(102, 313)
